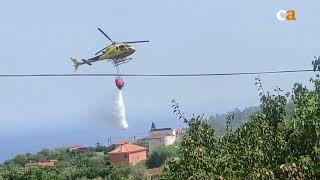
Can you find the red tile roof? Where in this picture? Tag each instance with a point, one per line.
(128, 148)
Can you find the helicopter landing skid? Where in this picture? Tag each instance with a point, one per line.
(121, 61)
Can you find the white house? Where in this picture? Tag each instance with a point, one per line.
(160, 137)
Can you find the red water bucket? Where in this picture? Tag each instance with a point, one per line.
(119, 83)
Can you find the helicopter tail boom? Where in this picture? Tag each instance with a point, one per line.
(76, 63)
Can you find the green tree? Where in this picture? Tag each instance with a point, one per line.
(160, 155)
(268, 146)
(198, 150)
(128, 172)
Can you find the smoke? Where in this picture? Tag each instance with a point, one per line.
(119, 113)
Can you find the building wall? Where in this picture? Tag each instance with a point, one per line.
(163, 132)
(119, 158)
(125, 158)
(135, 158)
(179, 137)
(169, 140)
(155, 143)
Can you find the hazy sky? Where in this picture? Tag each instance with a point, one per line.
(186, 37)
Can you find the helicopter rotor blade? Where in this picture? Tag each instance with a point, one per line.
(131, 42)
(102, 50)
(105, 35)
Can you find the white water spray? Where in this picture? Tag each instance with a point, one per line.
(120, 112)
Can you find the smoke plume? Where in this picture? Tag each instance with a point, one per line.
(120, 111)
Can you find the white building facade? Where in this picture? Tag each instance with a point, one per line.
(160, 137)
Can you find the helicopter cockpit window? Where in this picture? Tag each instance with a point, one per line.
(121, 46)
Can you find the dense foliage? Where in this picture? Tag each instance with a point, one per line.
(268, 146)
(92, 164)
(70, 165)
(158, 157)
(218, 121)
(128, 173)
(27, 174)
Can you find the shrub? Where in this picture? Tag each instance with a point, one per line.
(267, 146)
(160, 155)
(127, 173)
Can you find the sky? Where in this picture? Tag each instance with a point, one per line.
(206, 36)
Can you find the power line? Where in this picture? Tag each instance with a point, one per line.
(157, 75)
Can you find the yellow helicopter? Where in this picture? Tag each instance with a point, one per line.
(117, 52)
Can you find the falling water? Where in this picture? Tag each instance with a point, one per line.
(120, 111)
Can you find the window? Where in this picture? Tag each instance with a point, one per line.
(125, 156)
(121, 46)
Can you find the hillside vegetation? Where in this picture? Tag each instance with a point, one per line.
(219, 121)
(92, 164)
(269, 145)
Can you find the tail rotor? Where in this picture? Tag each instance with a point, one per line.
(75, 64)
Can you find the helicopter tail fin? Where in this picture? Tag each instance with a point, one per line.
(75, 64)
